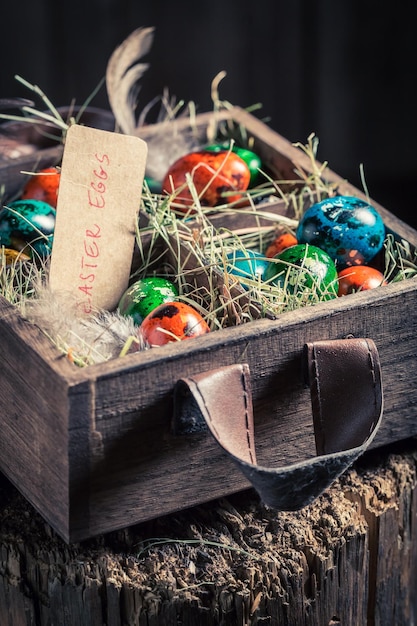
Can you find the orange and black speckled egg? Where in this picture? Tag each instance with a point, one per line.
(215, 175)
(280, 243)
(172, 321)
(12, 257)
(43, 186)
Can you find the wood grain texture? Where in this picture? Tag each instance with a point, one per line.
(143, 465)
(92, 449)
(34, 441)
(349, 558)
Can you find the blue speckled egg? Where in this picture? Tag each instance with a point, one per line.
(28, 225)
(246, 264)
(350, 230)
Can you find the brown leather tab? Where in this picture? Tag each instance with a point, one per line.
(346, 395)
(224, 399)
(346, 392)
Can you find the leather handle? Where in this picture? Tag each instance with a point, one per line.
(344, 376)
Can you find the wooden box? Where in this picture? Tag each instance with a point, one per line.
(93, 449)
(30, 147)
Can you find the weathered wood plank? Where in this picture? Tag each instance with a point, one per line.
(126, 434)
(93, 449)
(34, 426)
(349, 558)
(139, 455)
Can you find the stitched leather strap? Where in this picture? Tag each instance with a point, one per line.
(346, 392)
(346, 398)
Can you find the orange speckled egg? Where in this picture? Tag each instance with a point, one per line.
(172, 321)
(12, 256)
(359, 278)
(214, 175)
(43, 186)
(280, 243)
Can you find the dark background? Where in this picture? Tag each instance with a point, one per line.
(344, 70)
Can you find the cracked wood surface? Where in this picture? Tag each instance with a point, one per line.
(349, 558)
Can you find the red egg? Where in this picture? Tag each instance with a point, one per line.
(280, 243)
(43, 186)
(214, 176)
(359, 278)
(172, 321)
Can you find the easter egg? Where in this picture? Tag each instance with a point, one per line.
(43, 186)
(359, 278)
(246, 264)
(28, 225)
(350, 230)
(214, 175)
(251, 159)
(145, 295)
(172, 321)
(280, 243)
(9, 256)
(154, 186)
(304, 268)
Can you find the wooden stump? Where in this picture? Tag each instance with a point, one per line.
(348, 559)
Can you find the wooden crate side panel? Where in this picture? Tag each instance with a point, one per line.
(33, 409)
(143, 470)
(141, 473)
(198, 125)
(35, 348)
(82, 444)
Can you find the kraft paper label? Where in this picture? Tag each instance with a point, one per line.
(96, 217)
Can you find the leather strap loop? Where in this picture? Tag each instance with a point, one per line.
(346, 392)
(346, 398)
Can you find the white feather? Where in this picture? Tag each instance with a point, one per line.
(125, 70)
(95, 338)
(123, 73)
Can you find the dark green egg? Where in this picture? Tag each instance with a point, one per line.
(251, 159)
(145, 295)
(28, 225)
(303, 268)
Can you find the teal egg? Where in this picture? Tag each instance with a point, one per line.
(251, 159)
(304, 268)
(246, 264)
(144, 295)
(28, 225)
(154, 186)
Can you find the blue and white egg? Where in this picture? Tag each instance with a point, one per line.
(349, 229)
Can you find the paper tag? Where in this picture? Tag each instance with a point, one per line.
(98, 204)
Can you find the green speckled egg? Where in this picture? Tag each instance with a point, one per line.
(145, 295)
(304, 268)
(28, 225)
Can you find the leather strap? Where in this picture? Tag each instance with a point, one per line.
(346, 398)
(346, 392)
